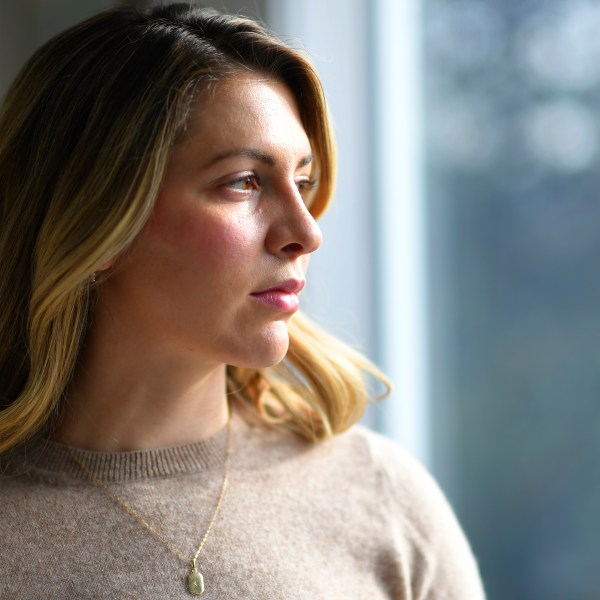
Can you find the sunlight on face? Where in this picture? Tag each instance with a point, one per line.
(215, 274)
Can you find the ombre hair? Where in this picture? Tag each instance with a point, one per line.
(86, 132)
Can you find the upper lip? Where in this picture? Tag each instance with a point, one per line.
(289, 286)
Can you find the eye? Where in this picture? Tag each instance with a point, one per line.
(246, 183)
(305, 185)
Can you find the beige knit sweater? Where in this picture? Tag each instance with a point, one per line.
(354, 517)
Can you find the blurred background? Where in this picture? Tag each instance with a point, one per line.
(462, 251)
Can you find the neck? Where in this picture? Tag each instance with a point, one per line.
(138, 400)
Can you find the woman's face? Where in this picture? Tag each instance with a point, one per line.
(215, 274)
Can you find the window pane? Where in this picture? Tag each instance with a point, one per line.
(513, 176)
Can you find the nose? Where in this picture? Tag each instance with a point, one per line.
(293, 231)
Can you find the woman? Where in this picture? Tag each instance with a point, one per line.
(160, 175)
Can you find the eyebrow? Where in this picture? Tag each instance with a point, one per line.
(255, 154)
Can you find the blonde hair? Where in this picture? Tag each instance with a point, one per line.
(87, 128)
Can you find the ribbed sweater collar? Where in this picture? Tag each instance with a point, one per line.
(53, 458)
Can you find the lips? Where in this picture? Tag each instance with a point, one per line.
(282, 297)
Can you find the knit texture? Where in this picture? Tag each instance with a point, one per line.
(353, 517)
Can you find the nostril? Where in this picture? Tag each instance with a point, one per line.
(293, 248)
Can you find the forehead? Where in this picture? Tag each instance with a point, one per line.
(247, 110)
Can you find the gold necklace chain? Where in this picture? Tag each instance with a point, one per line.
(195, 579)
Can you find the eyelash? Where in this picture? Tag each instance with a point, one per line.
(244, 180)
(306, 185)
(303, 185)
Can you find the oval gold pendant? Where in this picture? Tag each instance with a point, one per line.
(195, 582)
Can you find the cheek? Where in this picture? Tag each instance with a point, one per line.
(212, 239)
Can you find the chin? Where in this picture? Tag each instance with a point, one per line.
(266, 352)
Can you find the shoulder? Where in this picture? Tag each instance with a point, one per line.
(401, 481)
(402, 475)
(429, 540)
